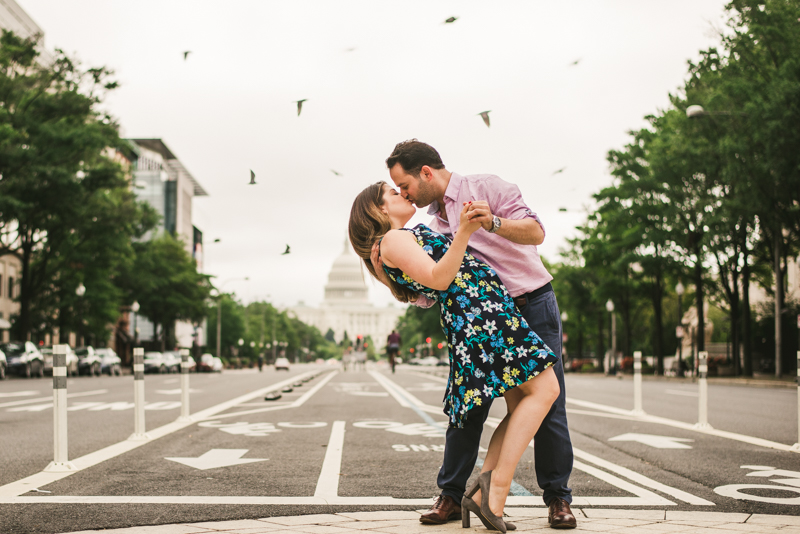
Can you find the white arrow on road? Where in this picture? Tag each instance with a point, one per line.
(218, 458)
(659, 442)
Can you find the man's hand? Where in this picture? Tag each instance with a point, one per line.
(479, 211)
(377, 264)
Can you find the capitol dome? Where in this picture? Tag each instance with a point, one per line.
(346, 280)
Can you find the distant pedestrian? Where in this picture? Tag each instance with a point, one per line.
(393, 347)
(260, 362)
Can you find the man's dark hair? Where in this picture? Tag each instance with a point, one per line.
(412, 155)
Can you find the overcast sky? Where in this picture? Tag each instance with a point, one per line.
(229, 107)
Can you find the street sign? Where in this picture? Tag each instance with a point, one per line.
(218, 458)
(658, 442)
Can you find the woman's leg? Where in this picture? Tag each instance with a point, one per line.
(528, 404)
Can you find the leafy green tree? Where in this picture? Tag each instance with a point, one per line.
(164, 280)
(54, 167)
(233, 324)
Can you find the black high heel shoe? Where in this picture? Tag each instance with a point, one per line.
(489, 520)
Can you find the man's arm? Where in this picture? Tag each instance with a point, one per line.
(525, 231)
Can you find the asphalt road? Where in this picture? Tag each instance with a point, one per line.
(368, 440)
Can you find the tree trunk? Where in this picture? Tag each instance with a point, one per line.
(701, 325)
(747, 368)
(658, 316)
(778, 301)
(22, 326)
(734, 317)
(601, 349)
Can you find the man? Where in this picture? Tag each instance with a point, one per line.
(508, 244)
(393, 347)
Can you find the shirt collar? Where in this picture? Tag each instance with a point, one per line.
(451, 193)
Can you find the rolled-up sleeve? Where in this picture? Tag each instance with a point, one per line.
(505, 199)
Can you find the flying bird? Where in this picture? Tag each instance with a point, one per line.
(285, 252)
(450, 20)
(485, 116)
(186, 54)
(562, 209)
(336, 173)
(300, 105)
(559, 171)
(352, 48)
(575, 62)
(252, 177)
(217, 240)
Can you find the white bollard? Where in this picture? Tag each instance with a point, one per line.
(637, 383)
(796, 446)
(60, 462)
(139, 433)
(702, 373)
(184, 386)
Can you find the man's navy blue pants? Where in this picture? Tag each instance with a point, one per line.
(552, 445)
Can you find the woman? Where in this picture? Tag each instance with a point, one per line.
(493, 352)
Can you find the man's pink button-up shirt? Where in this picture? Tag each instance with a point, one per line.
(518, 266)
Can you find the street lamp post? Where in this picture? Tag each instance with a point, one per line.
(81, 291)
(610, 308)
(135, 310)
(679, 290)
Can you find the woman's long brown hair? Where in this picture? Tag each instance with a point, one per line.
(369, 224)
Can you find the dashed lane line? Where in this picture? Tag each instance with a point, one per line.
(50, 398)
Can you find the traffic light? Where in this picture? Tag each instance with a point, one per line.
(427, 340)
(440, 345)
(411, 350)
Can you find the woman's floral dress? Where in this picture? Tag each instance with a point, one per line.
(492, 348)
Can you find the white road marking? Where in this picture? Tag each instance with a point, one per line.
(640, 499)
(216, 458)
(43, 399)
(20, 394)
(257, 429)
(658, 442)
(176, 391)
(328, 482)
(641, 479)
(171, 381)
(687, 426)
(19, 487)
(734, 491)
(413, 429)
(681, 393)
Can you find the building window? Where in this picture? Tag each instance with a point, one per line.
(1, 285)
(10, 293)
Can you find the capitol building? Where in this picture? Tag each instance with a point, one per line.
(347, 308)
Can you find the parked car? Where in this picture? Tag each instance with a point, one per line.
(23, 358)
(89, 363)
(281, 363)
(47, 358)
(172, 359)
(154, 362)
(216, 365)
(206, 363)
(3, 365)
(110, 363)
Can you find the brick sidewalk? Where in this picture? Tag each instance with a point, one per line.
(526, 520)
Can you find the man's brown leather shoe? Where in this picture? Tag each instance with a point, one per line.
(559, 515)
(444, 509)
